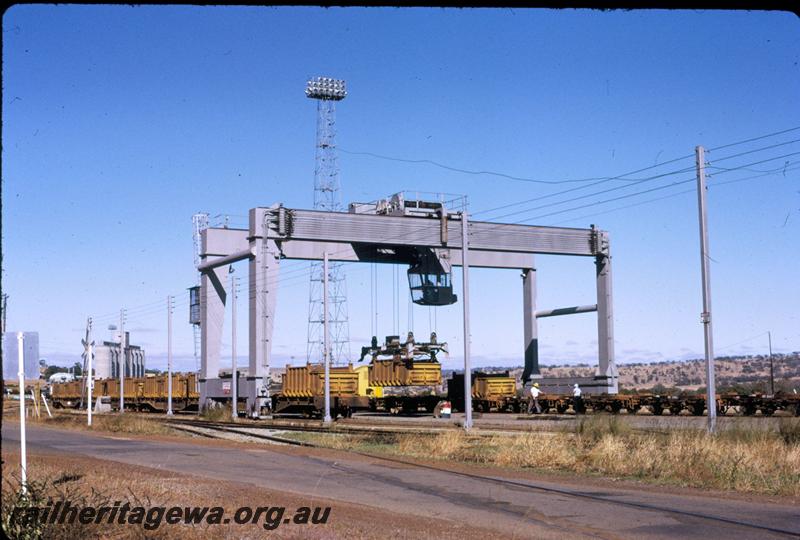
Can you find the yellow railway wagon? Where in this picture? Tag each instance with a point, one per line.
(143, 392)
(494, 388)
(66, 390)
(309, 381)
(398, 373)
(183, 386)
(364, 388)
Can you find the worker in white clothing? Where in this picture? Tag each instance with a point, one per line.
(533, 400)
(409, 344)
(577, 400)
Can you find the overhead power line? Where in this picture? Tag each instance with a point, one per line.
(541, 181)
(654, 189)
(145, 310)
(468, 171)
(756, 150)
(682, 192)
(737, 143)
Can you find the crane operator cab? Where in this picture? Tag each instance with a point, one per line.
(430, 284)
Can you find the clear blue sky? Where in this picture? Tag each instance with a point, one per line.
(121, 122)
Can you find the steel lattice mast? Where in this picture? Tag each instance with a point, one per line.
(327, 197)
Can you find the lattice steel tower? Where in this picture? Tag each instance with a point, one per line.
(327, 197)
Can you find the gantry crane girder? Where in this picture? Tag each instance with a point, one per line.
(367, 235)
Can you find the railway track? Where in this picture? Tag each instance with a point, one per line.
(341, 429)
(532, 486)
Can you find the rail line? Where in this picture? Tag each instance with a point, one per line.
(504, 481)
(338, 429)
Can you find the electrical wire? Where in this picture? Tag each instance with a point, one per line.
(755, 151)
(758, 138)
(395, 308)
(642, 191)
(151, 308)
(467, 171)
(683, 192)
(539, 181)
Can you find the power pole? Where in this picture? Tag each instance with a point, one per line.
(326, 350)
(711, 397)
(771, 367)
(169, 355)
(234, 363)
(465, 285)
(122, 360)
(88, 354)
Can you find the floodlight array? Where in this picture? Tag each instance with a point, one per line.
(326, 88)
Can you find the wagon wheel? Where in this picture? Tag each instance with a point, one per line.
(657, 409)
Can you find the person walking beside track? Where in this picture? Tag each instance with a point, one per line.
(577, 400)
(533, 399)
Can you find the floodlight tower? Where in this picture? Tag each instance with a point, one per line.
(327, 197)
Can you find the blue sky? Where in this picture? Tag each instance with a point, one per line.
(121, 122)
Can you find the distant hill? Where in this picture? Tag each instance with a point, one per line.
(749, 373)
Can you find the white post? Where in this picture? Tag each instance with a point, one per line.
(121, 361)
(89, 376)
(35, 404)
(711, 398)
(465, 284)
(325, 345)
(234, 365)
(169, 355)
(46, 406)
(22, 446)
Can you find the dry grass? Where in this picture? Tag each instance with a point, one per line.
(217, 414)
(754, 461)
(112, 423)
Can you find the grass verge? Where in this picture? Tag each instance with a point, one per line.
(739, 460)
(129, 423)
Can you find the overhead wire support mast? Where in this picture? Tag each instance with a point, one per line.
(711, 398)
(327, 197)
(122, 361)
(88, 376)
(326, 349)
(234, 364)
(467, 337)
(170, 301)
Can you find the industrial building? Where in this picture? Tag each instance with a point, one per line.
(106, 359)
